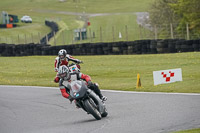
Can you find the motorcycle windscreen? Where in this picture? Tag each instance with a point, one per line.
(78, 89)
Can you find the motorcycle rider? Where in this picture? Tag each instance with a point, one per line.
(63, 59)
(66, 75)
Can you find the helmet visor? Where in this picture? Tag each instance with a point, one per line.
(62, 75)
(62, 57)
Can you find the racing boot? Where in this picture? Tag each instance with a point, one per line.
(103, 98)
(98, 92)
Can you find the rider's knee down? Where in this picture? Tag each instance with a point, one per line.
(96, 84)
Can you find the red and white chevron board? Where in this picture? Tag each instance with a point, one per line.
(167, 76)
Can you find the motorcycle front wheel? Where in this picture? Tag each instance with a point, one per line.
(105, 113)
(92, 108)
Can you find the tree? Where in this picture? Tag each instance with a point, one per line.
(188, 11)
(162, 13)
(176, 12)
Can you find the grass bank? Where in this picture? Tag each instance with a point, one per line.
(189, 131)
(39, 10)
(117, 72)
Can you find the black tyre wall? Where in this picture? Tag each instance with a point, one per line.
(116, 48)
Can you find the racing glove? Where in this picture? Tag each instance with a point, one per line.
(70, 99)
(79, 61)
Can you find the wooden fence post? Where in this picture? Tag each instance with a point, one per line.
(63, 37)
(172, 32)
(81, 35)
(140, 29)
(18, 39)
(32, 37)
(39, 37)
(47, 39)
(54, 37)
(126, 30)
(113, 33)
(90, 35)
(156, 33)
(25, 39)
(101, 34)
(188, 32)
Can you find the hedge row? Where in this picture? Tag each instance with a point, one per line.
(134, 47)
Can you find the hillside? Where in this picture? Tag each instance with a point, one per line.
(99, 13)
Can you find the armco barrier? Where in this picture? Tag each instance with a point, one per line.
(112, 48)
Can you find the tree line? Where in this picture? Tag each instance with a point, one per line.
(176, 12)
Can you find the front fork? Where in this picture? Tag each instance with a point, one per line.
(81, 104)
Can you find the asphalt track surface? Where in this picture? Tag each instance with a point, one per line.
(44, 110)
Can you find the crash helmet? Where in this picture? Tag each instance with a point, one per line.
(63, 72)
(62, 54)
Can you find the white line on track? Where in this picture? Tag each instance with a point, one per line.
(114, 91)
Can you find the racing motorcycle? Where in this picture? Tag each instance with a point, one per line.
(86, 98)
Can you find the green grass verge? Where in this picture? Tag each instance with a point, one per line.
(26, 33)
(190, 131)
(90, 6)
(117, 72)
(110, 28)
(114, 25)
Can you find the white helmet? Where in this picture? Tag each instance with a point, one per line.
(63, 72)
(62, 54)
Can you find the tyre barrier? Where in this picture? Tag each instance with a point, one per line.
(54, 29)
(111, 48)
